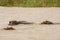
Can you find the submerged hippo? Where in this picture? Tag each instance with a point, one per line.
(25, 22)
(18, 22)
(13, 23)
(47, 22)
(9, 28)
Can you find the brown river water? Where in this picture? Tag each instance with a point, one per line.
(32, 31)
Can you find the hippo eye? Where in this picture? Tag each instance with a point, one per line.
(9, 22)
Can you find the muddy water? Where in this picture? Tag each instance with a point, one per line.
(33, 31)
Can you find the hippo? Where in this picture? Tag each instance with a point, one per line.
(9, 28)
(18, 22)
(47, 22)
(24, 22)
(13, 23)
